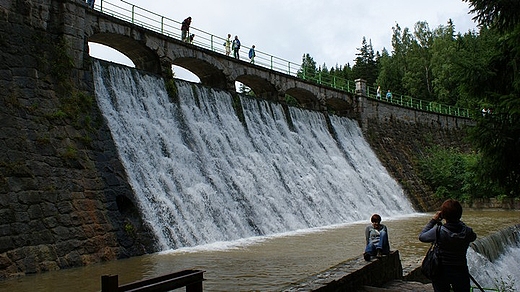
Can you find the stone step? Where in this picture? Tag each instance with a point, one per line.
(400, 286)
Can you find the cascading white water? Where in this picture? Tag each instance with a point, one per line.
(493, 260)
(201, 176)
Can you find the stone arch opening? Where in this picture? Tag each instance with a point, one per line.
(109, 54)
(304, 97)
(208, 74)
(260, 86)
(142, 56)
(339, 106)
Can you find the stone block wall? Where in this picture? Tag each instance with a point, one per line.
(64, 198)
(399, 136)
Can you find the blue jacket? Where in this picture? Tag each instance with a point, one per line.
(236, 44)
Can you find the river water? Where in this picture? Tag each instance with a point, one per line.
(261, 263)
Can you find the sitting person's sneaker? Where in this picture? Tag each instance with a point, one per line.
(366, 256)
(379, 253)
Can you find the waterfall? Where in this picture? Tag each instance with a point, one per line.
(202, 175)
(493, 260)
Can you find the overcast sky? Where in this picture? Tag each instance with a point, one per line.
(330, 31)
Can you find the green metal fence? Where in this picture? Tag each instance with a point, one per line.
(170, 27)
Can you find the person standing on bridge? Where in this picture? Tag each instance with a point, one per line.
(453, 243)
(389, 95)
(185, 29)
(236, 47)
(252, 54)
(227, 44)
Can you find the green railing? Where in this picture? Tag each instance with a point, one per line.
(170, 27)
(410, 102)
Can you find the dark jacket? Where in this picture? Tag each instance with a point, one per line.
(453, 242)
(186, 24)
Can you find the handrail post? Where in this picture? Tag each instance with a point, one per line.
(162, 24)
(133, 13)
(271, 62)
(109, 283)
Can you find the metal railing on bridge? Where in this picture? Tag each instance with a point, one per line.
(170, 27)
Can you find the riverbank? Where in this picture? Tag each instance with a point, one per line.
(493, 204)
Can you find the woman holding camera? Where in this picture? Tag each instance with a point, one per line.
(453, 242)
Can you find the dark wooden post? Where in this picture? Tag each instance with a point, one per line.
(109, 283)
(197, 287)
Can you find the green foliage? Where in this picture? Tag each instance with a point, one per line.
(70, 153)
(76, 107)
(171, 88)
(308, 70)
(291, 101)
(129, 228)
(365, 66)
(450, 173)
(497, 136)
(62, 63)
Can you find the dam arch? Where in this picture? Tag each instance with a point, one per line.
(208, 74)
(141, 55)
(260, 86)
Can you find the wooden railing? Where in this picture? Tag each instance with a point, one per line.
(191, 279)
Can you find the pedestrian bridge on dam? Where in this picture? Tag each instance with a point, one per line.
(153, 43)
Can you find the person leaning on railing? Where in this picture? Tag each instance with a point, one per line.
(185, 29)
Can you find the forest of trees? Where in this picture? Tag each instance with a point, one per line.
(474, 70)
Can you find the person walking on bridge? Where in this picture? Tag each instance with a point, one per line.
(252, 54)
(227, 44)
(389, 95)
(185, 29)
(236, 47)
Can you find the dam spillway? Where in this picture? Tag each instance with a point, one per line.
(201, 175)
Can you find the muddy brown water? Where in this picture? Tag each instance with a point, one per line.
(259, 264)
